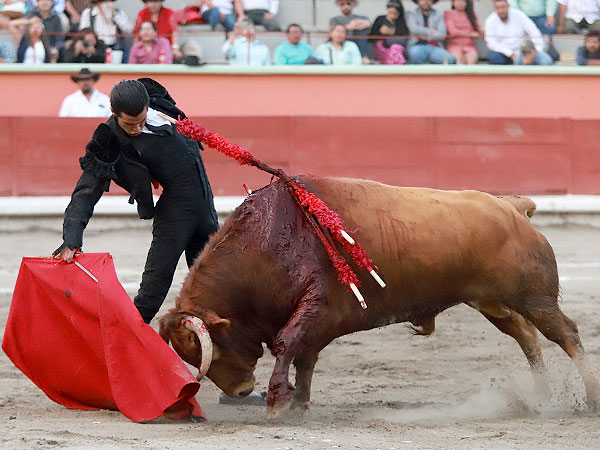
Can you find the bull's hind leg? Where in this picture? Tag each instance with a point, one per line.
(525, 333)
(305, 366)
(552, 323)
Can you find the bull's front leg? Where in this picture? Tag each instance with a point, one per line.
(305, 366)
(295, 338)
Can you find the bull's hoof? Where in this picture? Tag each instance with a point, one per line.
(277, 412)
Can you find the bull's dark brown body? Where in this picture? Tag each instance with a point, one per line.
(265, 277)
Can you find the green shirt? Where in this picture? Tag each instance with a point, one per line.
(535, 8)
(286, 53)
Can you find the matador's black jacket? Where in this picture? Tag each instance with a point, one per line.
(184, 216)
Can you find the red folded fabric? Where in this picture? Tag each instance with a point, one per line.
(85, 345)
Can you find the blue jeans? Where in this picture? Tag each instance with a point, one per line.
(425, 53)
(541, 59)
(540, 22)
(498, 58)
(212, 16)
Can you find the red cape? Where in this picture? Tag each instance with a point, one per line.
(86, 346)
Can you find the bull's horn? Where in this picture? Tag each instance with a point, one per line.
(197, 326)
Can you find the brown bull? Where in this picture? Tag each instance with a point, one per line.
(265, 277)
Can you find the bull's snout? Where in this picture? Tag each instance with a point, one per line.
(243, 389)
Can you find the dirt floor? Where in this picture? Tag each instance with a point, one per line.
(467, 386)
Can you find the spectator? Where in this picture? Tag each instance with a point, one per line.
(87, 101)
(7, 52)
(505, 29)
(11, 10)
(246, 50)
(541, 12)
(74, 8)
(390, 50)
(589, 53)
(462, 28)
(576, 16)
(108, 22)
(150, 48)
(262, 12)
(58, 7)
(215, 12)
(428, 25)
(85, 49)
(52, 27)
(293, 51)
(164, 20)
(338, 50)
(357, 27)
(529, 56)
(34, 48)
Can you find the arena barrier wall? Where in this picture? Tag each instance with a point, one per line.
(499, 155)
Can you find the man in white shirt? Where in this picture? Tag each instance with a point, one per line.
(262, 12)
(577, 16)
(87, 101)
(243, 49)
(505, 29)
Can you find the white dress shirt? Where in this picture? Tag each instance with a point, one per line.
(77, 105)
(506, 37)
(106, 27)
(35, 54)
(578, 10)
(270, 5)
(224, 6)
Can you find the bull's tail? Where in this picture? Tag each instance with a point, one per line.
(524, 205)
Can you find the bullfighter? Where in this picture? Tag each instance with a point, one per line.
(135, 148)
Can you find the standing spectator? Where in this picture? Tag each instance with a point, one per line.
(293, 51)
(150, 48)
(34, 48)
(85, 49)
(529, 56)
(542, 12)
(7, 52)
(246, 50)
(338, 50)
(52, 26)
(576, 16)
(505, 29)
(357, 27)
(390, 50)
(87, 101)
(262, 12)
(11, 10)
(108, 22)
(462, 28)
(589, 53)
(428, 25)
(58, 7)
(215, 12)
(164, 20)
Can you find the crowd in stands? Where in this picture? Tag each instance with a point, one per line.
(97, 31)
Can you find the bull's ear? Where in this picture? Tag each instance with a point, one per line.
(216, 323)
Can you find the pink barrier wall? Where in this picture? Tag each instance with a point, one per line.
(498, 155)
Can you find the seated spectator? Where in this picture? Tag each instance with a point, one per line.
(34, 48)
(11, 10)
(52, 27)
(109, 23)
(462, 28)
(293, 51)
(577, 16)
(589, 53)
(87, 101)
(164, 20)
(390, 50)
(74, 8)
(338, 50)
(529, 56)
(428, 25)
(7, 52)
(85, 49)
(243, 49)
(541, 12)
(505, 29)
(150, 48)
(262, 12)
(355, 26)
(215, 12)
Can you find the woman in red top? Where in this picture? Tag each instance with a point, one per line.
(462, 28)
(164, 19)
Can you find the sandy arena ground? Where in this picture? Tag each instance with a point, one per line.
(467, 386)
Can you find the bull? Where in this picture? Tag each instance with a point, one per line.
(265, 277)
